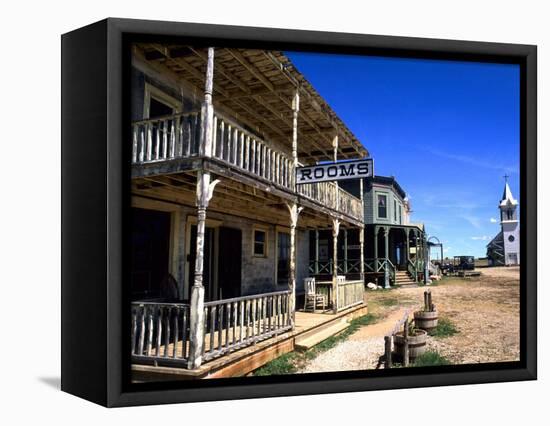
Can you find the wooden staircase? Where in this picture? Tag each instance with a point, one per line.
(403, 279)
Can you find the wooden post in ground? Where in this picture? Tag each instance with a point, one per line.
(335, 231)
(294, 211)
(387, 351)
(205, 189)
(406, 343)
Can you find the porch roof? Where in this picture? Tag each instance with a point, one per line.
(256, 87)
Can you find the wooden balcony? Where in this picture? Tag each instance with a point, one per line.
(171, 144)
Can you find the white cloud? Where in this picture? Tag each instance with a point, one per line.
(481, 238)
(493, 220)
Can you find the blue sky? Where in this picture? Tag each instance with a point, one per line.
(447, 130)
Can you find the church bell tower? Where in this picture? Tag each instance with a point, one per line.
(510, 225)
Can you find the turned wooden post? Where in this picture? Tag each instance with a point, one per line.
(295, 111)
(205, 189)
(335, 231)
(207, 109)
(294, 211)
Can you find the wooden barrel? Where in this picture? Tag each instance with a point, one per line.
(417, 344)
(425, 320)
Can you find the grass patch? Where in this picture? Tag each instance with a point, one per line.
(429, 359)
(285, 364)
(391, 301)
(445, 328)
(332, 341)
(290, 362)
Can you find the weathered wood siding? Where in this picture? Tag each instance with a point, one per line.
(258, 273)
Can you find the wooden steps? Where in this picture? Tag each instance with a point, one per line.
(403, 280)
(312, 337)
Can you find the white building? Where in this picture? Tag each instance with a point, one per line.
(504, 248)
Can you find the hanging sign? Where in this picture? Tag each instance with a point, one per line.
(354, 169)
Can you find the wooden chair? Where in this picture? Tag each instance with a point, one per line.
(312, 299)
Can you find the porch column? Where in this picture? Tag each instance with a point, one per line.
(387, 254)
(207, 109)
(407, 247)
(335, 231)
(375, 246)
(316, 251)
(362, 234)
(295, 110)
(335, 158)
(362, 253)
(427, 280)
(345, 251)
(205, 189)
(294, 211)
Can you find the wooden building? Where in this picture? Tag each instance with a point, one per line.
(220, 231)
(396, 249)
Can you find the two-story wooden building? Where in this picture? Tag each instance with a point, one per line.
(220, 231)
(396, 249)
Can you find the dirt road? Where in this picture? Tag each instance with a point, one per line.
(484, 310)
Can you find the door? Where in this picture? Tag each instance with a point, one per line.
(283, 258)
(208, 259)
(150, 247)
(229, 262)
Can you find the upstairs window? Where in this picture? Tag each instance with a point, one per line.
(394, 210)
(260, 246)
(382, 206)
(400, 215)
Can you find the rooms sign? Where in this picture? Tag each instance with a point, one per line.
(355, 169)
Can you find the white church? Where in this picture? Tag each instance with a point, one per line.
(504, 248)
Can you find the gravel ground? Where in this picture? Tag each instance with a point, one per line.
(485, 310)
(348, 355)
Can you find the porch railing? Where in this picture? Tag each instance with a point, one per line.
(177, 136)
(350, 293)
(349, 266)
(412, 270)
(160, 331)
(379, 265)
(236, 323)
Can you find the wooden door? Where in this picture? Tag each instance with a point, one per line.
(229, 262)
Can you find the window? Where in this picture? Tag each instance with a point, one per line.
(382, 208)
(511, 238)
(509, 215)
(394, 210)
(158, 103)
(400, 215)
(283, 257)
(260, 244)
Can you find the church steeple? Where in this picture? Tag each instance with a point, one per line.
(508, 204)
(507, 197)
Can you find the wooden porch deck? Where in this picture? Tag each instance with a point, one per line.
(242, 361)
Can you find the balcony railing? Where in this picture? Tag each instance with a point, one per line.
(177, 136)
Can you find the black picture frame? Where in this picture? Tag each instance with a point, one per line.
(95, 199)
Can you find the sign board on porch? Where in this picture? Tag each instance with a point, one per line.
(355, 169)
